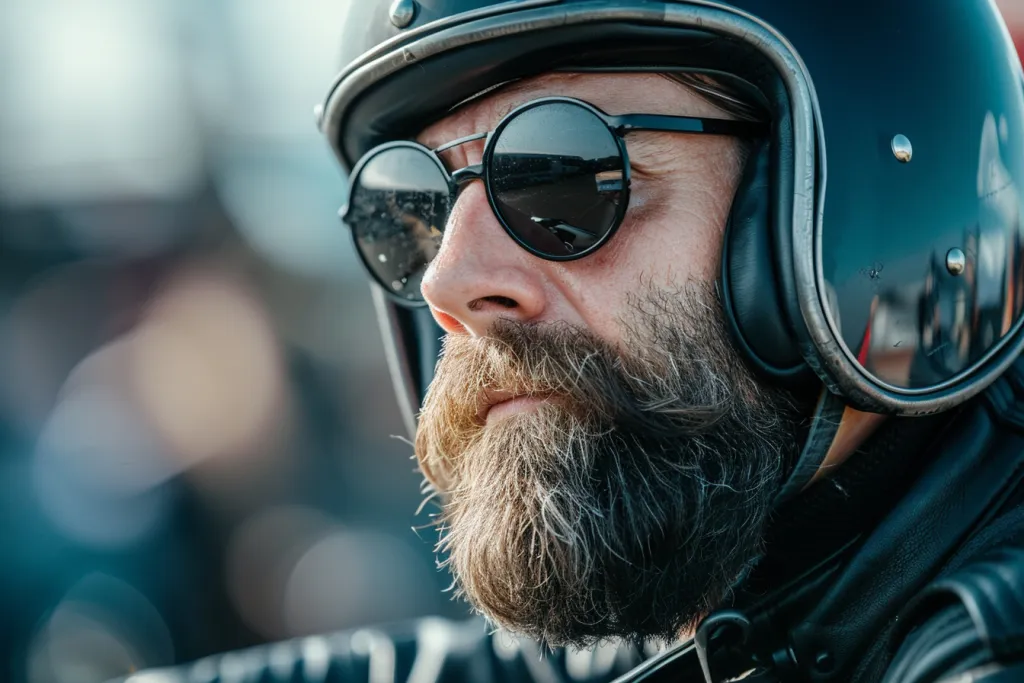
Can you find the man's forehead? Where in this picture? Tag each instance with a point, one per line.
(615, 93)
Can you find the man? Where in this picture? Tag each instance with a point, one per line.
(669, 344)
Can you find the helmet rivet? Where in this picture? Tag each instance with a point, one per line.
(402, 12)
(956, 261)
(902, 149)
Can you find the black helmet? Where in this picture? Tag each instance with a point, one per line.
(888, 261)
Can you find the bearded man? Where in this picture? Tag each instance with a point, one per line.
(687, 388)
(606, 459)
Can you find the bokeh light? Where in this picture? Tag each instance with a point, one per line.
(294, 571)
(97, 468)
(103, 109)
(259, 562)
(206, 368)
(102, 628)
(350, 578)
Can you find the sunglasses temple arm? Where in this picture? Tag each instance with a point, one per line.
(460, 141)
(685, 124)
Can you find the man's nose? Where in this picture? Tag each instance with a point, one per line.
(480, 274)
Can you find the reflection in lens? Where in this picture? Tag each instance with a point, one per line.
(397, 211)
(557, 177)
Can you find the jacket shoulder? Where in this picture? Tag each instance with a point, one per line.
(966, 626)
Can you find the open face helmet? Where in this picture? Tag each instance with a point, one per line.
(879, 252)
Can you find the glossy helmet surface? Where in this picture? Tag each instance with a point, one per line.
(889, 259)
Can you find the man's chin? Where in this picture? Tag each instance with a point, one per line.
(596, 599)
(568, 537)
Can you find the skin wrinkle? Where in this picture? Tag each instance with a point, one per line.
(629, 500)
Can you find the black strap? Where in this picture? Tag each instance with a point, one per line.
(828, 415)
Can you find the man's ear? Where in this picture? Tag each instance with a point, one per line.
(750, 287)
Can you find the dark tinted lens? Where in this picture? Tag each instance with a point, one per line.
(397, 211)
(557, 178)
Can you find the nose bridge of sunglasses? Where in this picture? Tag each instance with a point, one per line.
(467, 174)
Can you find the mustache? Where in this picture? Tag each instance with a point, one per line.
(670, 378)
(580, 370)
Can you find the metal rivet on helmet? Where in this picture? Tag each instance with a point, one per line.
(402, 12)
(902, 149)
(956, 261)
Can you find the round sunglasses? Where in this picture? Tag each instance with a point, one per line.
(556, 173)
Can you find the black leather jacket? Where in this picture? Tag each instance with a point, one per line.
(906, 566)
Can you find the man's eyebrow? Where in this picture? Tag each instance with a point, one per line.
(499, 113)
(506, 109)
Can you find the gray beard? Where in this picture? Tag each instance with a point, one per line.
(632, 499)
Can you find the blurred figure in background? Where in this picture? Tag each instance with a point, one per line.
(195, 417)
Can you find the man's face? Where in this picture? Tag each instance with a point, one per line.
(606, 462)
(680, 195)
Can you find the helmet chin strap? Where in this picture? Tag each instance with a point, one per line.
(855, 427)
(836, 432)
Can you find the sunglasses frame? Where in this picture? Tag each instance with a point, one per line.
(618, 126)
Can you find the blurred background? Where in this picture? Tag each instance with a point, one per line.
(198, 445)
(196, 421)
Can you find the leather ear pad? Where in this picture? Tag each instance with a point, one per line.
(750, 289)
